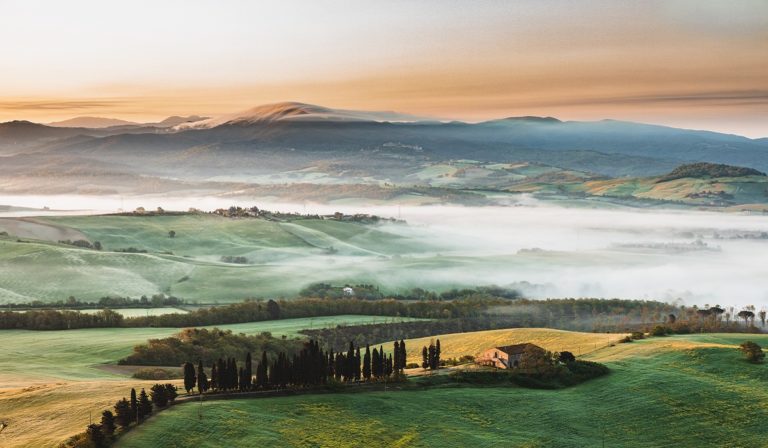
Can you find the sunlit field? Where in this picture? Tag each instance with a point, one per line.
(67, 374)
(657, 386)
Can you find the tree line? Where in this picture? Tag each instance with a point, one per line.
(568, 314)
(584, 314)
(709, 319)
(207, 345)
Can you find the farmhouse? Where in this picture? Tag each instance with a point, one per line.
(506, 357)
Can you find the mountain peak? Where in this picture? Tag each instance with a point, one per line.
(90, 122)
(533, 119)
(296, 111)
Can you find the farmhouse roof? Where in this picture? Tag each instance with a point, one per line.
(515, 349)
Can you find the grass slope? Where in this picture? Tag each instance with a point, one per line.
(457, 344)
(50, 381)
(27, 356)
(189, 265)
(684, 391)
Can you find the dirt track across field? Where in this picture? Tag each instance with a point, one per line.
(32, 228)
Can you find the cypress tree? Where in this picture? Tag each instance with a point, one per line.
(388, 368)
(382, 361)
(233, 376)
(261, 371)
(375, 363)
(403, 355)
(339, 364)
(331, 363)
(367, 363)
(437, 354)
(95, 436)
(396, 352)
(108, 423)
(221, 374)
(202, 384)
(145, 406)
(134, 406)
(171, 392)
(349, 371)
(214, 377)
(248, 374)
(159, 395)
(431, 356)
(424, 358)
(190, 378)
(123, 413)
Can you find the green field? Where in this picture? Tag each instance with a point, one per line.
(683, 391)
(69, 376)
(37, 356)
(282, 257)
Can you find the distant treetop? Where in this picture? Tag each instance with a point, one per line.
(703, 169)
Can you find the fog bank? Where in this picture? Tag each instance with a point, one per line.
(699, 257)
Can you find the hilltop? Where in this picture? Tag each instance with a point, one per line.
(707, 170)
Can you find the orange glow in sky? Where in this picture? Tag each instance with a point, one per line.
(687, 63)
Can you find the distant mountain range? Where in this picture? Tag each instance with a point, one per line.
(101, 122)
(309, 143)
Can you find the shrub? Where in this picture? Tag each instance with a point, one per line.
(660, 330)
(752, 351)
(156, 374)
(412, 365)
(637, 335)
(626, 339)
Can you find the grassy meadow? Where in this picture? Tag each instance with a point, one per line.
(282, 257)
(64, 375)
(683, 391)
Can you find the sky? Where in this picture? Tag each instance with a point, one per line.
(688, 63)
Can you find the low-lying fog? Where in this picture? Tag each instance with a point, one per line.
(698, 257)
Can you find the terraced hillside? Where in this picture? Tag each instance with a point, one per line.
(657, 386)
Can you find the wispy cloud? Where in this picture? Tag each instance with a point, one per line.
(55, 105)
(720, 98)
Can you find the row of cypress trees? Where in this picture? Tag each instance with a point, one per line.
(126, 413)
(431, 356)
(311, 366)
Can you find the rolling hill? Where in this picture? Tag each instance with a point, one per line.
(70, 375)
(139, 258)
(656, 386)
